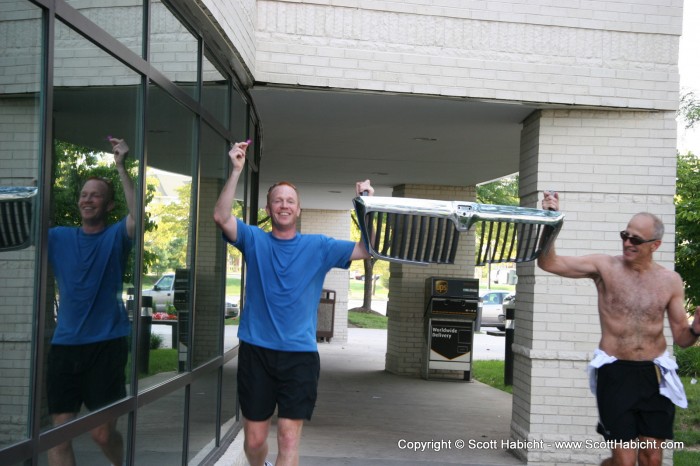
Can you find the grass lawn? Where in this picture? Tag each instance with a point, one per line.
(357, 290)
(159, 360)
(162, 360)
(367, 320)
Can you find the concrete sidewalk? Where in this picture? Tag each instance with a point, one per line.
(365, 415)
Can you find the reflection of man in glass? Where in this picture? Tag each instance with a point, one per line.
(89, 349)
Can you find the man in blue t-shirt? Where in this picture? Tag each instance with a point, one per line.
(89, 350)
(278, 362)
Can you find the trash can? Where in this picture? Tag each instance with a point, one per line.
(144, 333)
(325, 316)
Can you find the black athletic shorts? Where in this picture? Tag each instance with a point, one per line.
(269, 378)
(629, 402)
(92, 374)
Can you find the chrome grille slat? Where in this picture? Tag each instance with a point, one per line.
(419, 231)
(16, 222)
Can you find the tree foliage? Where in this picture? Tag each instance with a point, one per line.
(168, 241)
(72, 166)
(504, 191)
(687, 202)
(689, 109)
(370, 268)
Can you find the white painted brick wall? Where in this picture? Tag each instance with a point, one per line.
(406, 342)
(19, 147)
(210, 268)
(336, 224)
(618, 54)
(597, 161)
(237, 22)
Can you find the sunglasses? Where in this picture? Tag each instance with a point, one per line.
(635, 240)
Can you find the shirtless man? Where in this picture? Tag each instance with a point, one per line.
(632, 376)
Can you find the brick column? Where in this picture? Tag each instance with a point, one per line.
(211, 265)
(334, 223)
(607, 166)
(19, 166)
(406, 345)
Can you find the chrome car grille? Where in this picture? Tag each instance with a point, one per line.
(422, 231)
(16, 206)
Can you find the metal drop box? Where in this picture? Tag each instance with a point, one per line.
(451, 313)
(325, 316)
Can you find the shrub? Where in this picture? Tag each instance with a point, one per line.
(156, 341)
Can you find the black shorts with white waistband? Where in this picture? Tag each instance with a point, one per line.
(629, 402)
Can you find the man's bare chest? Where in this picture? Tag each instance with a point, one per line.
(637, 297)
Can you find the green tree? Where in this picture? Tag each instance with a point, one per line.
(689, 109)
(168, 242)
(370, 268)
(503, 191)
(687, 202)
(72, 166)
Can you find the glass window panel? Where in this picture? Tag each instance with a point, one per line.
(204, 394)
(159, 431)
(91, 245)
(215, 90)
(122, 20)
(211, 308)
(167, 247)
(173, 48)
(239, 129)
(20, 133)
(86, 450)
(239, 117)
(229, 396)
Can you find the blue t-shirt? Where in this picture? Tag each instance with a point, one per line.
(284, 281)
(89, 269)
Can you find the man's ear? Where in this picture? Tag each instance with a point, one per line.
(110, 206)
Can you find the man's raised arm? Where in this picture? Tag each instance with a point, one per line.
(120, 149)
(222, 211)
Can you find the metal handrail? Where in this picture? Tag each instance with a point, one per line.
(423, 231)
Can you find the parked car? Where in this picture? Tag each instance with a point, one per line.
(491, 304)
(508, 303)
(162, 292)
(232, 309)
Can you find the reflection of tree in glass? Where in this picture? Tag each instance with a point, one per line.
(168, 243)
(72, 165)
(234, 258)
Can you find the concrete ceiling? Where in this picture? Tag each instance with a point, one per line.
(323, 141)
